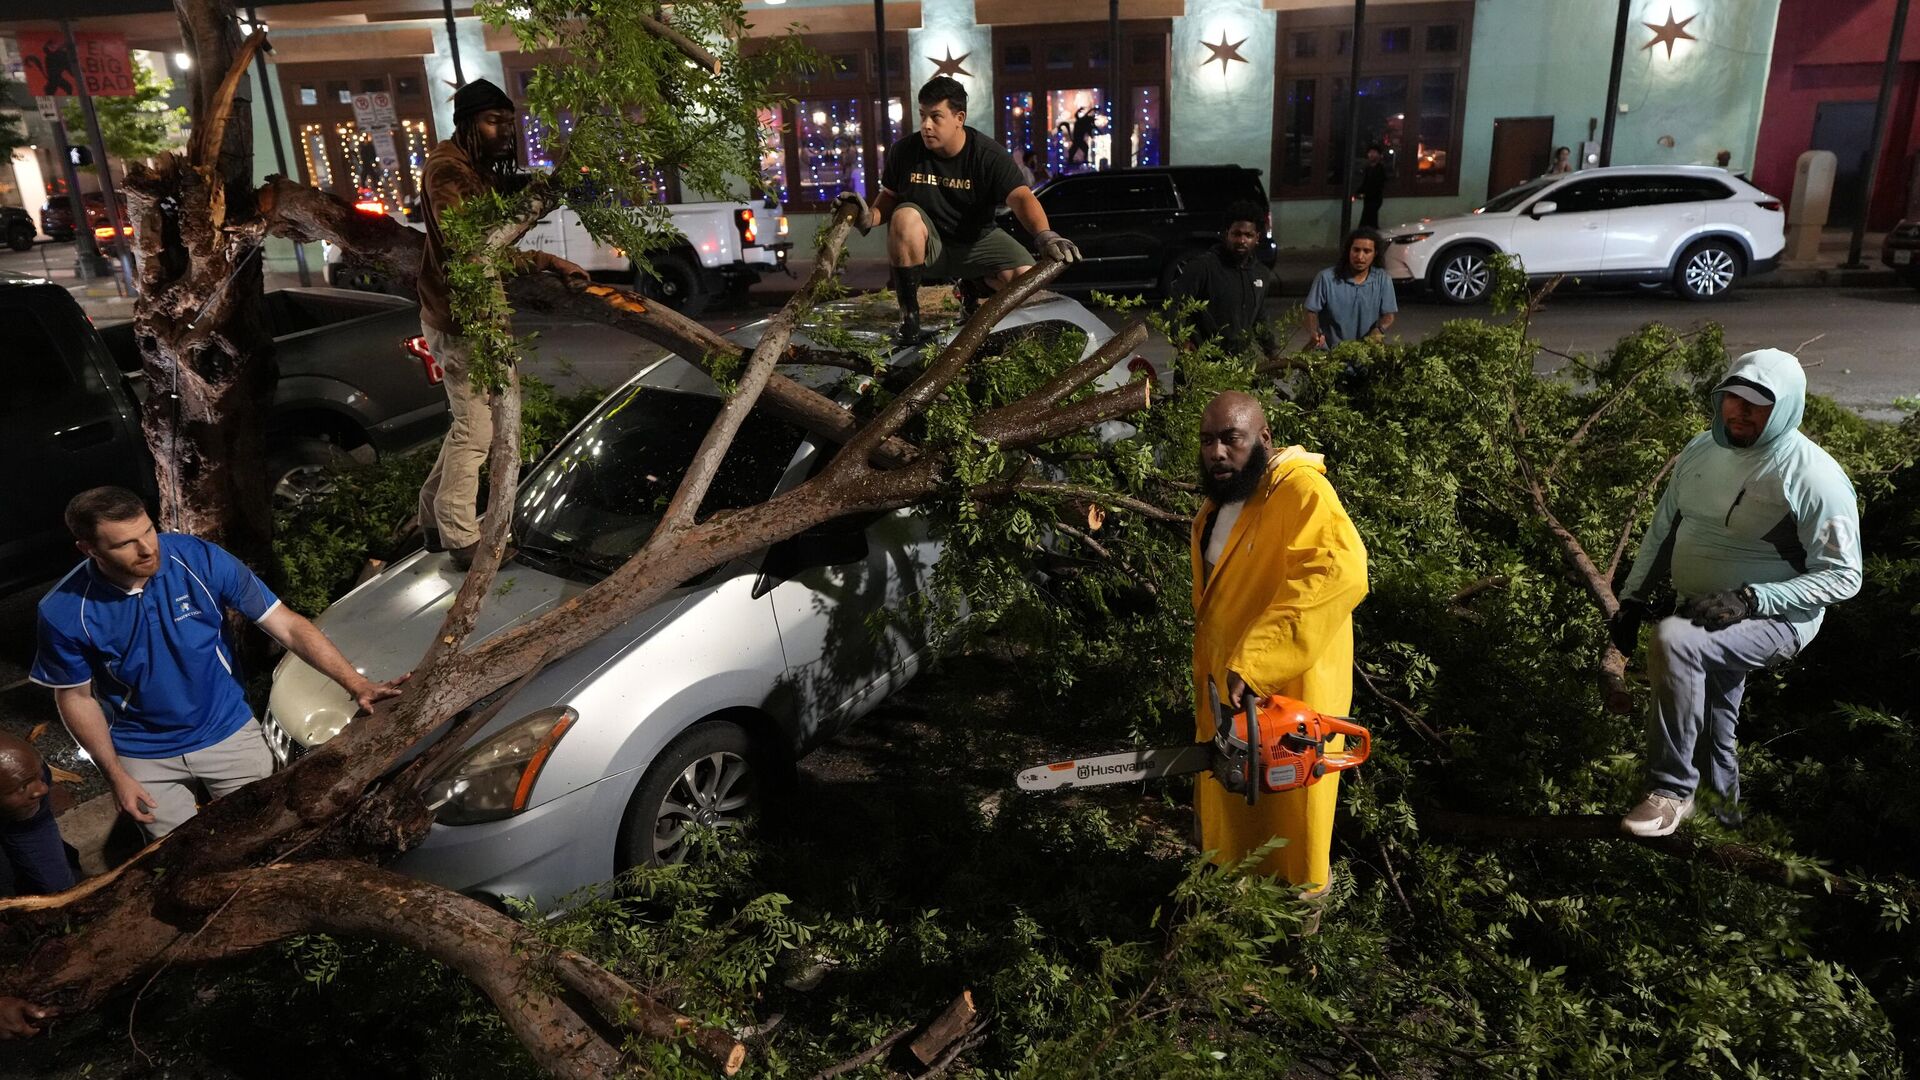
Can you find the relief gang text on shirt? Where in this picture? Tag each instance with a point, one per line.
(958, 194)
(157, 658)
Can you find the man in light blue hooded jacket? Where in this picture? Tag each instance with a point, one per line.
(1760, 531)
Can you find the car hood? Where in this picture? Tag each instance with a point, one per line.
(384, 627)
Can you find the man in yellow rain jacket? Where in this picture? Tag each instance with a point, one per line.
(1277, 571)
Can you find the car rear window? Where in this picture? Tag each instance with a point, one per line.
(1217, 189)
(1659, 190)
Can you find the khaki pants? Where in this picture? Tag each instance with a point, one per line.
(228, 765)
(448, 498)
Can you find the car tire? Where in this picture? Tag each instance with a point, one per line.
(20, 237)
(675, 282)
(713, 774)
(298, 471)
(1707, 270)
(1461, 275)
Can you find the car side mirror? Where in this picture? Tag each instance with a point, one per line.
(1543, 208)
(832, 543)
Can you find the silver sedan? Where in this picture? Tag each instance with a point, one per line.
(673, 720)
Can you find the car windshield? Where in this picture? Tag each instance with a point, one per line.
(597, 498)
(1513, 197)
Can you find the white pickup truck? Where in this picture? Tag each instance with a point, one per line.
(723, 249)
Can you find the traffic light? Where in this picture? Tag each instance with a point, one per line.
(80, 155)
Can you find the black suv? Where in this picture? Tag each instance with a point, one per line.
(1136, 228)
(16, 228)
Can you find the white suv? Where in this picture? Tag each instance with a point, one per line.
(1695, 227)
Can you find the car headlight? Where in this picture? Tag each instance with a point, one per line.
(1412, 237)
(495, 778)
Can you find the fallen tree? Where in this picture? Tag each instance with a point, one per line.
(298, 852)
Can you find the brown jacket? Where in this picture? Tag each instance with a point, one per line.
(450, 178)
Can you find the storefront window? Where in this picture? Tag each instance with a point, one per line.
(829, 142)
(1020, 129)
(1382, 103)
(1296, 153)
(1433, 153)
(1146, 139)
(1080, 131)
(313, 143)
(773, 154)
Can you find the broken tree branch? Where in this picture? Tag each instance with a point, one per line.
(210, 135)
(687, 46)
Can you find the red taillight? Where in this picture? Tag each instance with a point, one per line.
(1770, 204)
(744, 219)
(105, 232)
(417, 345)
(375, 207)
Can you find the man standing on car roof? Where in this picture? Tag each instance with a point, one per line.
(939, 189)
(478, 159)
(1232, 285)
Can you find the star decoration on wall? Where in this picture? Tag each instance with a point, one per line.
(1669, 33)
(951, 65)
(1224, 52)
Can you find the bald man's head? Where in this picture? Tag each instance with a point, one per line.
(22, 788)
(1234, 444)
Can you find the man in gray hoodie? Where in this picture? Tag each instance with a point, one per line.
(1759, 531)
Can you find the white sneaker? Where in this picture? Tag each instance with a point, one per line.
(1657, 815)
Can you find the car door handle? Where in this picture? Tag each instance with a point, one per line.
(84, 435)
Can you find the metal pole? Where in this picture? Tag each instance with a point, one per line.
(1115, 136)
(453, 44)
(885, 138)
(1888, 73)
(1353, 116)
(1613, 83)
(87, 263)
(279, 152)
(100, 161)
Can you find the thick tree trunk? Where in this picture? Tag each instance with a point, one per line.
(200, 318)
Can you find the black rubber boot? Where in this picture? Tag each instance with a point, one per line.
(463, 556)
(906, 287)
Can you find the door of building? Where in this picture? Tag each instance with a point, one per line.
(1844, 127)
(1522, 150)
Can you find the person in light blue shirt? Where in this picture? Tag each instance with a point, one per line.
(132, 644)
(1759, 531)
(1355, 299)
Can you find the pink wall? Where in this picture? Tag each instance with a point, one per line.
(1832, 50)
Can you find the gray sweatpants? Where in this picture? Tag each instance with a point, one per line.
(1699, 677)
(228, 765)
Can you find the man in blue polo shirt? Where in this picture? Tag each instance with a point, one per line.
(132, 644)
(1353, 300)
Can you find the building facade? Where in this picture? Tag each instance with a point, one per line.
(1463, 97)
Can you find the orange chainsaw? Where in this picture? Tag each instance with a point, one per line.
(1268, 745)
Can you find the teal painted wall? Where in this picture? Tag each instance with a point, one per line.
(949, 25)
(1218, 115)
(1708, 96)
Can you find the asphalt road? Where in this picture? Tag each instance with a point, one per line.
(1862, 346)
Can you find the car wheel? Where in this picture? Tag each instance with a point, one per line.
(20, 237)
(675, 282)
(1707, 270)
(1462, 276)
(711, 775)
(301, 470)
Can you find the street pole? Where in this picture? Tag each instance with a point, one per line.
(1878, 143)
(453, 44)
(1353, 116)
(100, 161)
(87, 263)
(1114, 110)
(279, 152)
(1613, 83)
(885, 137)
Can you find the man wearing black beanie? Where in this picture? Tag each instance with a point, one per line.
(479, 158)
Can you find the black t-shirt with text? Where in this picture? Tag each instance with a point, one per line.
(958, 194)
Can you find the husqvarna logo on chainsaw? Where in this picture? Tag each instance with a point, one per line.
(1086, 771)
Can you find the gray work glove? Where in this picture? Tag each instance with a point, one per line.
(1723, 609)
(860, 209)
(1051, 245)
